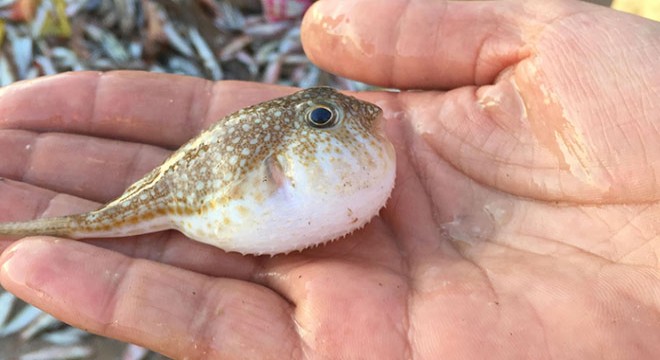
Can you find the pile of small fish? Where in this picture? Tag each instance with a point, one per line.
(214, 39)
(204, 38)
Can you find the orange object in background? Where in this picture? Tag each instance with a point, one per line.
(23, 10)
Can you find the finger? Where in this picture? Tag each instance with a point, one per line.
(178, 313)
(421, 43)
(91, 168)
(22, 201)
(159, 109)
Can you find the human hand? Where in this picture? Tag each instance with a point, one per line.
(524, 222)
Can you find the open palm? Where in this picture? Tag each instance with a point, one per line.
(524, 222)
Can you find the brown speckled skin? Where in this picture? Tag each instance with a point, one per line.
(209, 170)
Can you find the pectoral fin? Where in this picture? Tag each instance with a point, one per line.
(275, 174)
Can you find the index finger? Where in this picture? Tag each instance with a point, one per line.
(159, 109)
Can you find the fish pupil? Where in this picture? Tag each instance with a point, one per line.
(321, 117)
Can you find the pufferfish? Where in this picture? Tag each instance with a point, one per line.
(275, 177)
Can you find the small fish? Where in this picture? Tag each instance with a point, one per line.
(57, 352)
(279, 176)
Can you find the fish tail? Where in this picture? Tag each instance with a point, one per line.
(56, 226)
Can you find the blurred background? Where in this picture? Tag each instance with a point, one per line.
(233, 39)
(254, 40)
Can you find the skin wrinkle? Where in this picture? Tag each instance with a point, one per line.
(289, 311)
(232, 302)
(630, 109)
(297, 352)
(488, 281)
(597, 217)
(129, 278)
(622, 255)
(256, 276)
(646, 104)
(473, 147)
(536, 315)
(405, 334)
(159, 253)
(198, 106)
(434, 40)
(206, 298)
(297, 348)
(561, 245)
(642, 150)
(132, 172)
(485, 52)
(610, 252)
(109, 306)
(401, 180)
(607, 123)
(654, 178)
(423, 177)
(630, 223)
(34, 143)
(206, 91)
(396, 30)
(537, 27)
(403, 267)
(407, 328)
(480, 60)
(93, 109)
(88, 127)
(40, 209)
(497, 158)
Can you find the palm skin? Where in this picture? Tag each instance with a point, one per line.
(524, 222)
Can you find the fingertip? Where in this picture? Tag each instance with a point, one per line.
(12, 270)
(20, 260)
(333, 38)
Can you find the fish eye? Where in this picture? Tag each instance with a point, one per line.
(322, 116)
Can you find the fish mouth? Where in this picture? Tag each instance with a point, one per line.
(375, 110)
(375, 113)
